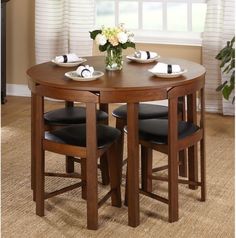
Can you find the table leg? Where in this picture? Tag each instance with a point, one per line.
(91, 167)
(133, 165)
(39, 155)
(173, 162)
(33, 118)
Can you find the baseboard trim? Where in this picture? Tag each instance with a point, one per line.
(20, 90)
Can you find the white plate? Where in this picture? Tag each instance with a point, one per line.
(142, 61)
(72, 64)
(73, 75)
(172, 75)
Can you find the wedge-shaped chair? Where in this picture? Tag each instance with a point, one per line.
(150, 111)
(88, 141)
(71, 115)
(170, 136)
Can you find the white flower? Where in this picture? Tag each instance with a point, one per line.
(131, 38)
(122, 37)
(100, 39)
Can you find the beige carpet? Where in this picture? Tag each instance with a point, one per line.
(66, 214)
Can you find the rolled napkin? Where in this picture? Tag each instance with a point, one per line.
(85, 71)
(141, 54)
(166, 68)
(68, 58)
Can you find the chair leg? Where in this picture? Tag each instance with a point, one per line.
(120, 124)
(115, 165)
(92, 192)
(33, 173)
(104, 169)
(183, 163)
(103, 159)
(83, 178)
(183, 168)
(173, 189)
(203, 170)
(146, 168)
(40, 181)
(193, 165)
(69, 164)
(126, 188)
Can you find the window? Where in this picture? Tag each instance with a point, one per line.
(156, 21)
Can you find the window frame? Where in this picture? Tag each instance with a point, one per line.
(164, 36)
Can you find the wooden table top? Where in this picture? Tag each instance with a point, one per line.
(133, 76)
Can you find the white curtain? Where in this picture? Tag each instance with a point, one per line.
(62, 26)
(219, 28)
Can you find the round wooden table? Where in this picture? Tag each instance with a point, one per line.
(131, 85)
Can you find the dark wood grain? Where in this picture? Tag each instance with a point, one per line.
(193, 150)
(39, 155)
(203, 148)
(173, 161)
(3, 51)
(133, 164)
(146, 168)
(33, 114)
(103, 158)
(91, 167)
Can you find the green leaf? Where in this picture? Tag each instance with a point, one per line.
(233, 63)
(232, 78)
(233, 54)
(220, 87)
(103, 48)
(128, 44)
(226, 69)
(227, 90)
(232, 42)
(222, 53)
(94, 33)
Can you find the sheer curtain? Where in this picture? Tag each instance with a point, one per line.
(63, 26)
(219, 28)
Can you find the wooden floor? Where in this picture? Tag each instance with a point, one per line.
(65, 214)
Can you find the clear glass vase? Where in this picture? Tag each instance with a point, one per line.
(114, 59)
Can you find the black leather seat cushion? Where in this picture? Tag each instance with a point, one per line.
(76, 135)
(146, 111)
(156, 130)
(70, 115)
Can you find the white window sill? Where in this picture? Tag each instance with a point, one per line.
(170, 38)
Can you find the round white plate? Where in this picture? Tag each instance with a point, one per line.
(172, 75)
(72, 64)
(142, 61)
(73, 75)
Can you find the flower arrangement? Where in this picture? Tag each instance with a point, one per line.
(113, 40)
(113, 37)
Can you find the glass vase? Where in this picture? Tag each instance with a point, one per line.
(114, 59)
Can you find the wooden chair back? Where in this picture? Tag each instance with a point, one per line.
(194, 94)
